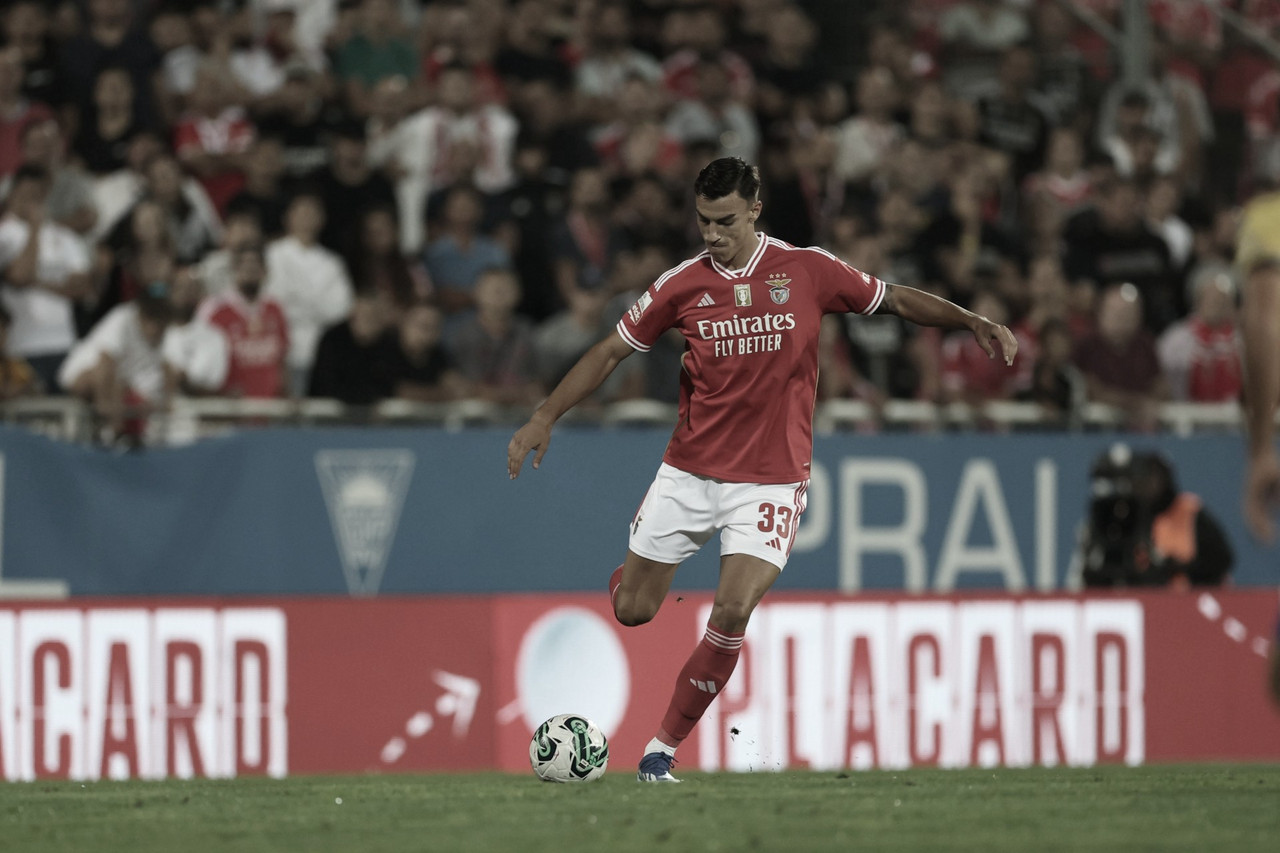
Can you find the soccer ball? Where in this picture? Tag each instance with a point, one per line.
(568, 748)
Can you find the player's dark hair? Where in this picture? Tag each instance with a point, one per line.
(726, 176)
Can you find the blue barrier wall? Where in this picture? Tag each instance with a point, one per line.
(371, 511)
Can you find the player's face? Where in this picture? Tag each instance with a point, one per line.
(728, 227)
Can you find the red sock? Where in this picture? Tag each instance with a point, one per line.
(703, 677)
(615, 581)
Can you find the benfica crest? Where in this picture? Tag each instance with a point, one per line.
(778, 291)
(364, 491)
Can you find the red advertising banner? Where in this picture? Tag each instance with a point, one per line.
(150, 689)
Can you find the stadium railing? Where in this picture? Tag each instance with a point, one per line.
(191, 419)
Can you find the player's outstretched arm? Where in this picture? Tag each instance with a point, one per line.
(1261, 333)
(925, 309)
(585, 377)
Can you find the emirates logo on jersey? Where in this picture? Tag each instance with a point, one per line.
(778, 291)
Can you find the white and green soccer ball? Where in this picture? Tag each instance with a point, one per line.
(568, 748)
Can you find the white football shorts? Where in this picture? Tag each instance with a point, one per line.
(681, 511)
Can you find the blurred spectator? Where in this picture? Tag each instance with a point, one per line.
(192, 219)
(609, 60)
(968, 374)
(1063, 185)
(308, 281)
(379, 267)
(1012, 119)
(352, 357)
(1176, 110)
(400, 145)
(255, 327)
(347, 188)
(790, 70)
(379, 48)
(837, 376)
(262, 56)
(528, 213)
(1050, 298)
(112, 37)
(1136, 147)
(183, 39)
(70, 201)
(866, 138)
(138, 251)
(899, 251)
(119, 366)
(17, 379)
(1119, 360)
(26, 26)
(494, 348)
(312, 27)
(297, 116)
(637, 141)
(698, 34)
(1163, 204)
(16, 112)
(533, 48)
(216, 269)
(929, 120)
(974, 34)
(264, 192)
(213, 138)
(464, 35)
(561, 340)
(1110, 243)
(195, 351)
(419, 366)
(458, 254)
(44, 268)
(647, 215)
(715, 115)
(459, 120)
(1056, 384)
(966, 252)
(1200, 356)
(1141, 530)
(1064, 80)
(586, 241)
(108, 125)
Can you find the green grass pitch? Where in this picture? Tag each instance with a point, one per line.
(1214, 807)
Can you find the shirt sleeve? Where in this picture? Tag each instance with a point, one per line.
(651, 315)
(844, 289)
(13, 239)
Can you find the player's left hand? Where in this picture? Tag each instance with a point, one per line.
(1262, 496)
(986, 332)
(532, 436)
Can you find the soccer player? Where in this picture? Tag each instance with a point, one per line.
(750, 308)
(1258, 255)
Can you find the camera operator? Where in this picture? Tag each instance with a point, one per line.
(1141, 531)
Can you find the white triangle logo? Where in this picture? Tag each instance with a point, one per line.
(364, 491)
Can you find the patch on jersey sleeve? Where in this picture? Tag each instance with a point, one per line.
(642, 303)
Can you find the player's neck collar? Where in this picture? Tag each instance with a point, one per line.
(750, 267)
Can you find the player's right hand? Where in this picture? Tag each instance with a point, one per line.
(532, 436)
(1262, 495)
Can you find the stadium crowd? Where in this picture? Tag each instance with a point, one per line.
(446, 199)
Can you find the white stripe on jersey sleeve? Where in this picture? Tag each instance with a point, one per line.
(880, 285)
(630, 338)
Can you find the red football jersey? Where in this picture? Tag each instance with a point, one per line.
(751, 373)
(257, 340)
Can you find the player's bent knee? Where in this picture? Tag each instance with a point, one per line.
(632, 613)
(731, 615)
